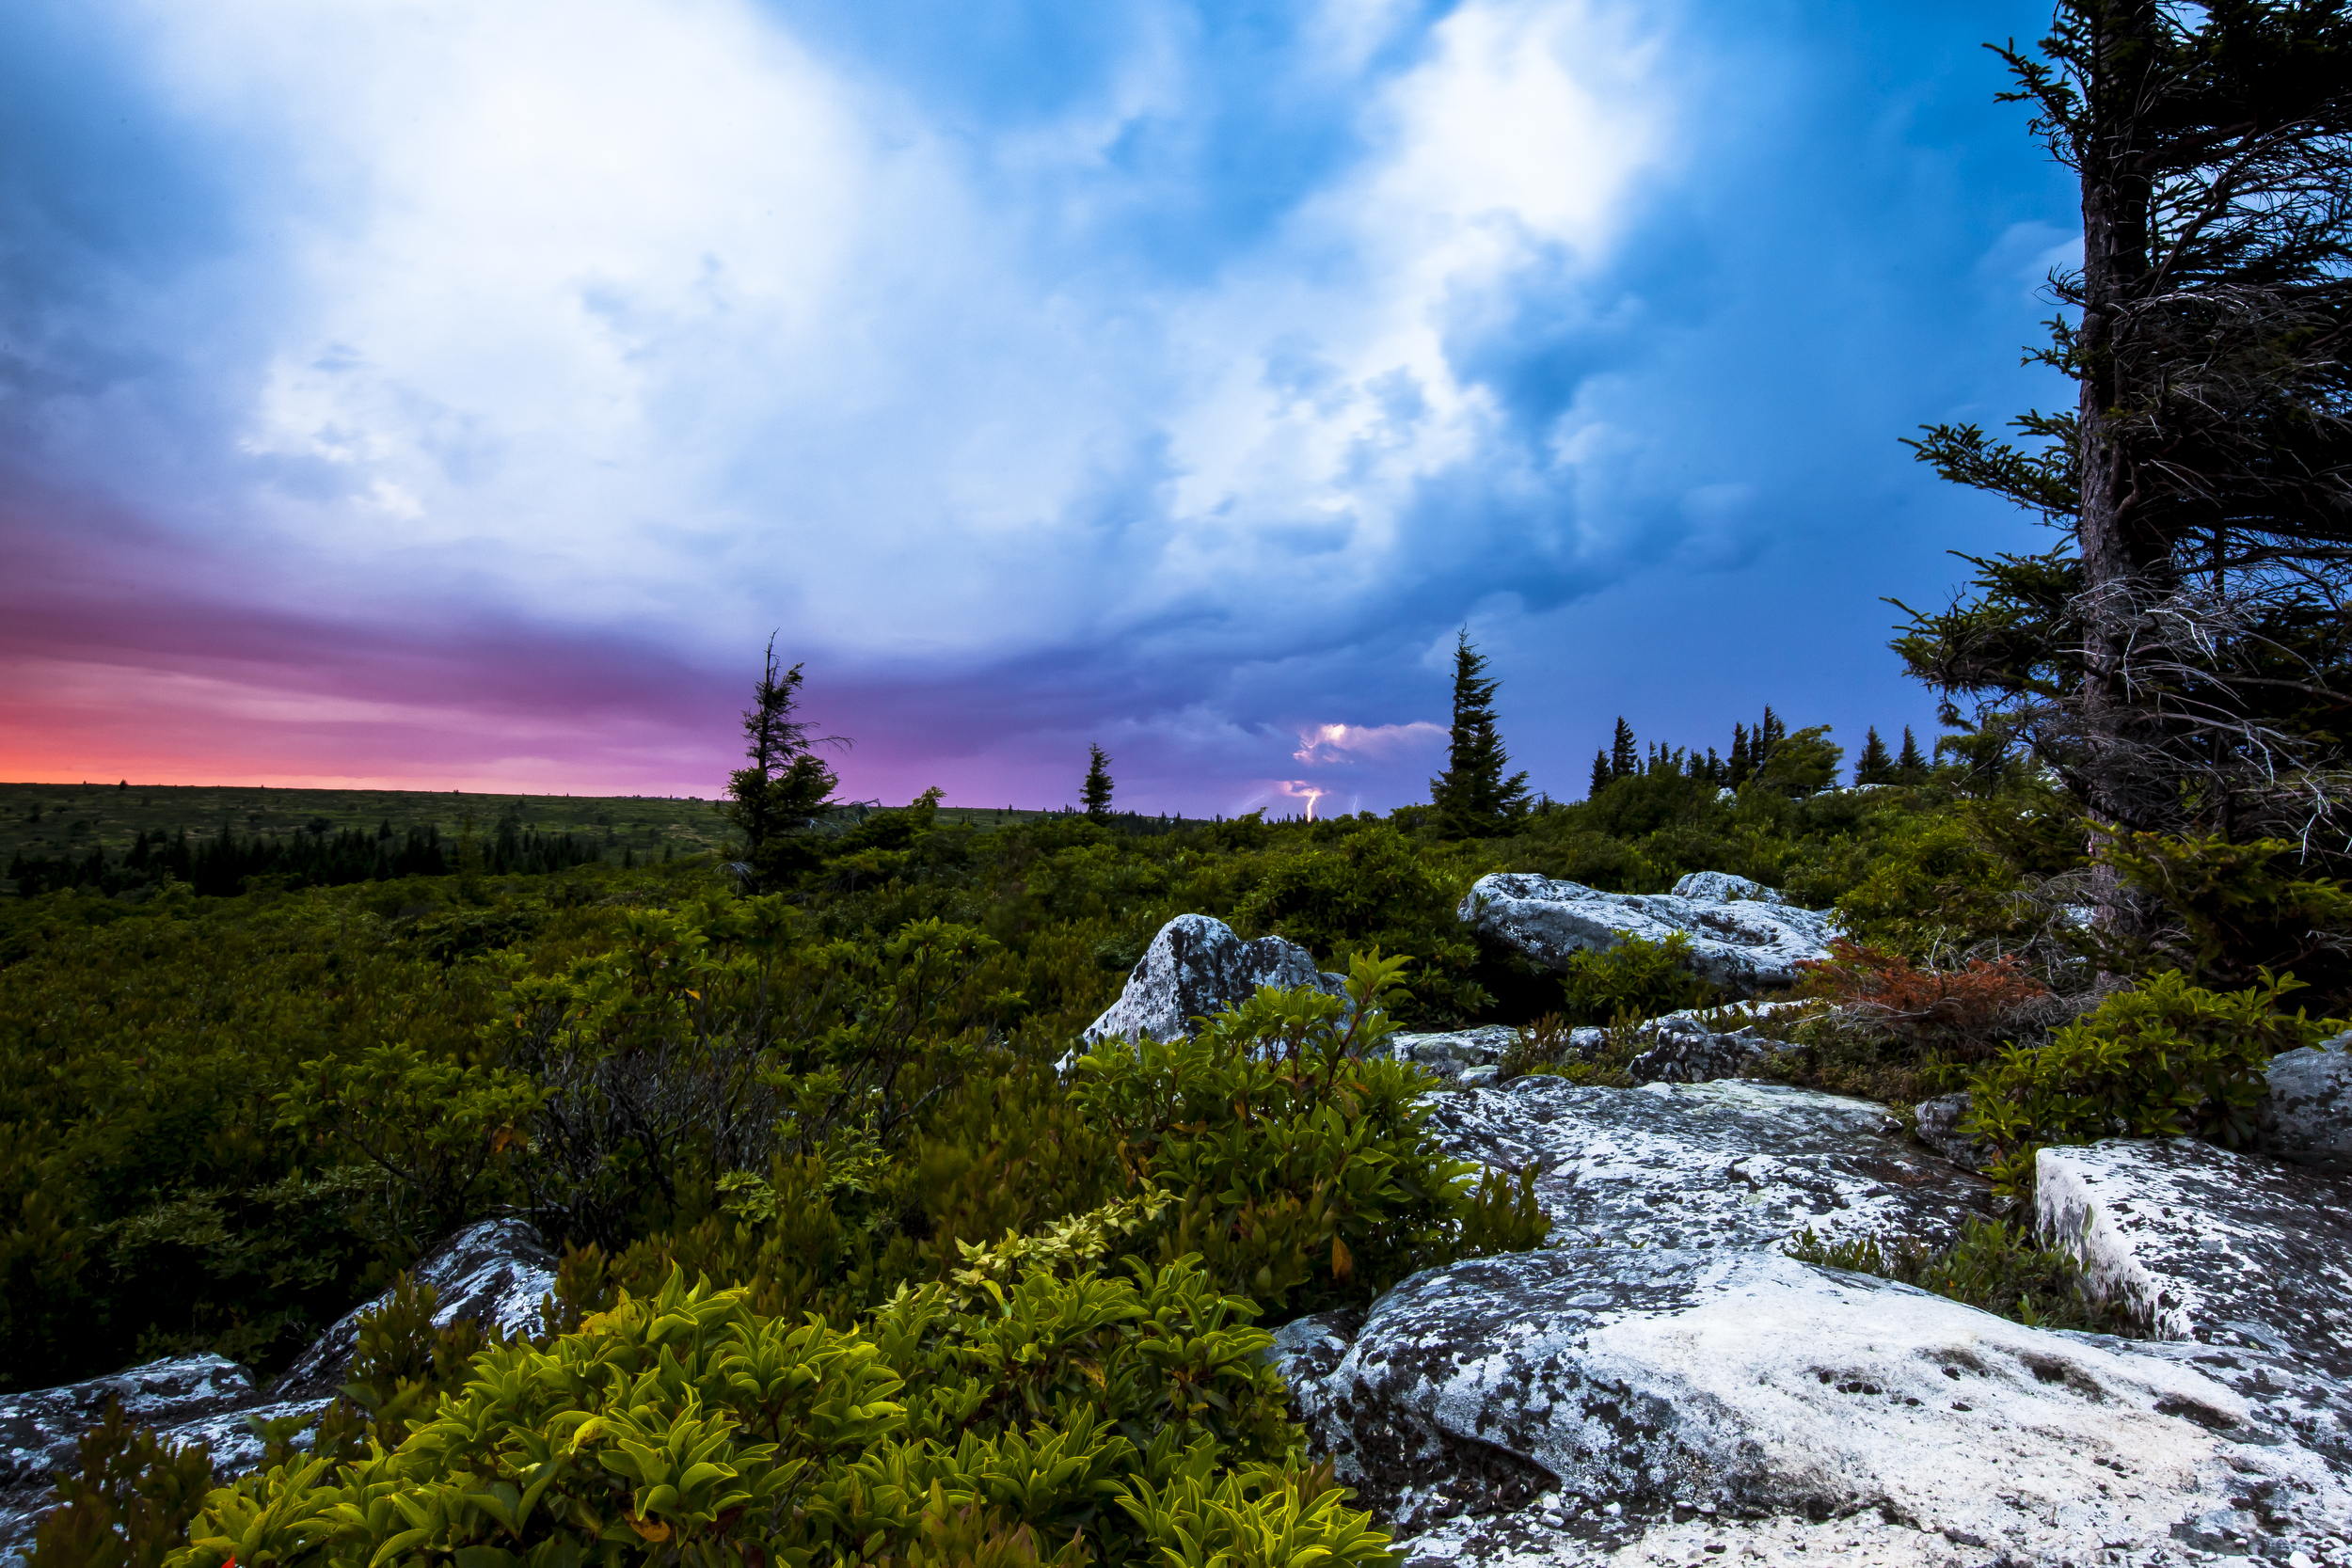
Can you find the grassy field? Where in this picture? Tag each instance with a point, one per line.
(49, 819)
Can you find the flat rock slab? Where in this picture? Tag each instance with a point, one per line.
(2306, 1114)
(1663, 1383)
(1737, 944)
(1725, 1164)
(1196, 967)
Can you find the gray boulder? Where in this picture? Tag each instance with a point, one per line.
(1684, 1051)
(1452, 1055)
(1662, 1383)
(496, 1273)
(1740, 946)
(2228, 1249)
(1722, 887)
(2306, 1116)
(1939, 1129)
(188, 1399)
(1196, 967)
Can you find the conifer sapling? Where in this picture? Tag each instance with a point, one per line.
(1473, 796)
(1095, 795)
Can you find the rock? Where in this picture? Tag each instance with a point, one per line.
(1740, 946)
(1196, 967)
(1939, 1129)
(494, 1272)
(1660, 1379)
(1450, 1055)
(1722, 887)
(2223, 1248)
(1687, 1052)
(187, 1399)
(2306, 1116)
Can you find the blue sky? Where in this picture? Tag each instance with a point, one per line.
(404, 391)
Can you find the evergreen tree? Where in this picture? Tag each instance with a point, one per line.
(1473, 796)
(1602, 778)
(1768, 734)
(775, 800)
(1742, 764)
(1625, 757)
(1874, 765)
(1095, 795)
(2180, 658)
(1910, 767)
(1714, 769)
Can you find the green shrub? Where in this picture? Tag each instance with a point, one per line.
(129, 1502)
(1298, 1168)
(2240, 909)
(1994, 1265)
(1542, 1049)
(1375, 890)
(2161, 1061)
(1070, 1419)
(1644, 979)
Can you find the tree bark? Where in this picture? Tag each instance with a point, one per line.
(2117, 201)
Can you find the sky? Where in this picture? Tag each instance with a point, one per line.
(427, 394)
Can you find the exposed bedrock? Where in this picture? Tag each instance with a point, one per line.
(1743, 938)
(1662, 1382)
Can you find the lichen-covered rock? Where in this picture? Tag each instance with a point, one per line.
(1660, 1381)
(1196, 967)
(495, 1273)
(1450, 1055)
(1722, 887)
(1939, 1129)
(1686, 1051)
(2207, 1244)
(2306, 1114)
(1738, 946)
(187, 1399)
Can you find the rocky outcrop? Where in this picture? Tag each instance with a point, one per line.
(2228, 1249)
(1456, 1057)
(1662, 1382)
(1684, 1051)
(1740, 946)
(2306, 1114)
(1939, 1129)
(1722, 887)
(495, 1273)
(1196, 967)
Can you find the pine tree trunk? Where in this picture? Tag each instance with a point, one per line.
(2116, 202)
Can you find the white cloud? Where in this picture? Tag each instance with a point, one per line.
(647, 313)
(1340, 743)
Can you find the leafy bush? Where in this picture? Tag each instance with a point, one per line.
(1994, 1265)
(129, 1503)
(2161, 1061)
(1299, 1169)
(1543, 1049)
(1375, 890)
(1063, 1419)
(1636, 978)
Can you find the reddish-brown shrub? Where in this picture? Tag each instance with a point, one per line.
(1968, 1010)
